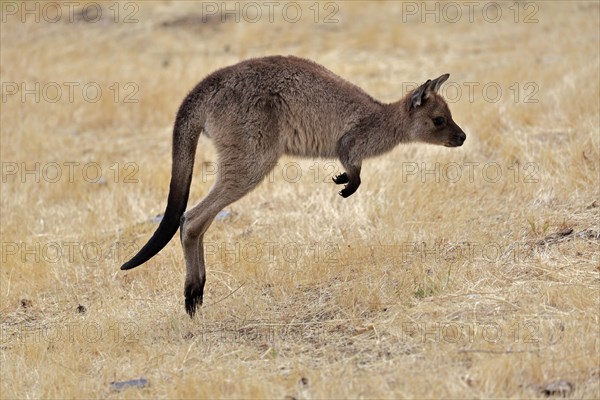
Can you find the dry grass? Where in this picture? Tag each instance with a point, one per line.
(415, 287)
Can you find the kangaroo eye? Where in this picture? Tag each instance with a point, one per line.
(439, 121)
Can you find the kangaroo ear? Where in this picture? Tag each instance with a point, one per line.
(419, 95)
(437, 82)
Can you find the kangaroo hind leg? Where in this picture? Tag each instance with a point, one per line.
(239, 171)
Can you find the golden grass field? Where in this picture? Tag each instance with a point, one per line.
(469, 272)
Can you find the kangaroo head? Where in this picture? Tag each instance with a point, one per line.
(428, 117)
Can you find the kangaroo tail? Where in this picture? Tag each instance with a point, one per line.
(185, 140)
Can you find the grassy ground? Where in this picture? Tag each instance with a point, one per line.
(467, 272)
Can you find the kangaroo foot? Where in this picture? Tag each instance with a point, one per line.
(193, 298)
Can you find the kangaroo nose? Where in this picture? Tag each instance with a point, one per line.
(462, 137)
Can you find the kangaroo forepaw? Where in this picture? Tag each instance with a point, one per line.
(348, 190)
(341, 178)
(193, 299)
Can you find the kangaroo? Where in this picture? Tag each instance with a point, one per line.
(259, 109)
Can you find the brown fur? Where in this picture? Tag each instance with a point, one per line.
(260, 109)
